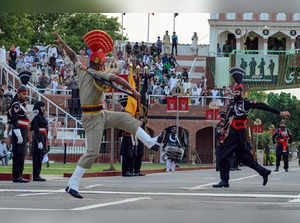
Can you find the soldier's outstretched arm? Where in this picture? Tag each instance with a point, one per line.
(71, 54)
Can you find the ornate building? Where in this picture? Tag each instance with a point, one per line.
(254, 31)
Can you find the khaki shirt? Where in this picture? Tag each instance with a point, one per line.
(89, 94)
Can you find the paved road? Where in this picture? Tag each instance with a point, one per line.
(165, 197)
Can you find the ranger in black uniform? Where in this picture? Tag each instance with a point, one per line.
(237, 139)
(39, 126)
(282, 136)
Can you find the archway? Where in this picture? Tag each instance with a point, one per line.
(204, 145)
(279, 42)
(253, 41)
(227, 42)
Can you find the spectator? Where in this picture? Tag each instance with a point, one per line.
(173, 81)
(52, 63)
(167, 43)
(128, 49)
(43, 81)
(20, 63)
(153, 50)
(194, 46)
(2, 128)
(4, 153)
(120, 54)
(83, 58)
(136, 49)
(173, 60)
(143, 48)
(12, 57)
(174, 43)
(52, 52)
(158, 46)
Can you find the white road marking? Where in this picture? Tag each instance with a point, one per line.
(287, 196)
(37, 194)
(32, 209)
(295, 200)
(233, 180)
(93, 186)
(84, 208)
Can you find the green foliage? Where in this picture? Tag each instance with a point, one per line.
(26, 30)
(263, 139)
(282, 102)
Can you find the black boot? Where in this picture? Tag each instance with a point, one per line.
(277, 169)
(286, 170)
(221, 184)
(73, 193)
(265, 177)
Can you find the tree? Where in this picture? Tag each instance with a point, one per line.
(282, 102)
(26, 30)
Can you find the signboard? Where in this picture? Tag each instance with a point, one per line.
(172, 104)
(258, 129)
(258, 67)
(213, 114)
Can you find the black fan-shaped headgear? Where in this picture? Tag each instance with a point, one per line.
(25, 76)
(237, 74)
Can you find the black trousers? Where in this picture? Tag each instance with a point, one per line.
(285, 157)
(174, 46)
(37, 158)
(236, 142)
(19, 152)
(127, 164)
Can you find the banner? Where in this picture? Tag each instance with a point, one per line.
(258, 129)
(213, 114)
(172, 104)
(258, 67)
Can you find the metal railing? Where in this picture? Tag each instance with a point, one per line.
(195, 100)
(12, 78)
(55, 91)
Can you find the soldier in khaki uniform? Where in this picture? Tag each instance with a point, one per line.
(94, 118)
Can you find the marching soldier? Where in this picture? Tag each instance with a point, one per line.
(237, 137)
(282, 136)
(94, 118)
(39, 126)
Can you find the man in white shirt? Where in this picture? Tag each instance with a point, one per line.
(52, 51)
(173, 81)
(4, 154)
(167, 43)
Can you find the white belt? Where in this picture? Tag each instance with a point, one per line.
(42, 129)
(23, 123)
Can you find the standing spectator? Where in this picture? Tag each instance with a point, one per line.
(52, 51)
(54, 125)
(20, 63)
(12, 57)
(158, 46)
(194, 46)
(2, 128)
(143, 49)
(52, 63)
(167, 43)
(120, 54)
(174, 43)
(153, 50)
(136, 49)
(83, 58)
(128, 49)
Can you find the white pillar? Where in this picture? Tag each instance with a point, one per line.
(2, 55)
(213, 41)
(293, 43)
(265, 46)
(238, 43)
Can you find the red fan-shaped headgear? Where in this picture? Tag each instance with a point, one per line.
(100, 44)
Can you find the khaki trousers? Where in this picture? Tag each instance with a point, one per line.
(94, 124)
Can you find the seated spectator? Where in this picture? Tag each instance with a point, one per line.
(153, 50)
(136, 49)
(5, 155)
(173, 81)
(43, 81)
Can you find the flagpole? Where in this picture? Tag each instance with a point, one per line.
(148, 30)
(122, 25)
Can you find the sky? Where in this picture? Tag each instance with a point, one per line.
(186, 24)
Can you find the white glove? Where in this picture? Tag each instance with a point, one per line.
(18, 135)
(40, 145)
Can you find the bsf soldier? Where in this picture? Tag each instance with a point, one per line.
(19, 125)
(94, 118)
(282, 136)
